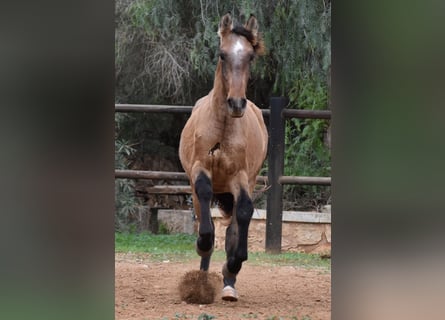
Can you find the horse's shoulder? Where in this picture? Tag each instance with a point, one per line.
(257, 111)
(252, 105)
(201, 101)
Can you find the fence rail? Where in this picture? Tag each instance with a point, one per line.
(155, 108)
(277, 115)
(181, 176)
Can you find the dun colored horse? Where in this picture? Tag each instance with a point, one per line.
(222, 148)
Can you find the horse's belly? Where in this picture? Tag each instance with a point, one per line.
(221, 180)
(220, 188)
(223, 170)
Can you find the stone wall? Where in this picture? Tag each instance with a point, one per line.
(308, 232)
(177, 221)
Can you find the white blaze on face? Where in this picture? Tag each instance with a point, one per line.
(237, 47)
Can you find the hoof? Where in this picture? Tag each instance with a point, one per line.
(229, 294)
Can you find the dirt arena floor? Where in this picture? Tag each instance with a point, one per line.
(149, 290)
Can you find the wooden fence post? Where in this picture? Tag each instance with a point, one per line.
(275, 171)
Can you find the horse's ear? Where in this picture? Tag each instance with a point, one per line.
(225, 25)
(252, 25)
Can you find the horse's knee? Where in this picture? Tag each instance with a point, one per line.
(203, 187)
(244, 210)
(234, 265)
(204, 245)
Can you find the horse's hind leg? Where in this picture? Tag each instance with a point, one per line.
(229, 292)
(206, 238)
(236, 244)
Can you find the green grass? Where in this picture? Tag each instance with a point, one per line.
(181, 247)
(147, 242)
(158, 247)
(289, 259)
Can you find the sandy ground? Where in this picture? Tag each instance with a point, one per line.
(149, 290)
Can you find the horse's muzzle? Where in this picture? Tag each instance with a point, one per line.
(237, 106)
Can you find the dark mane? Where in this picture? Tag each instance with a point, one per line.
(256, 42)
(240, 30)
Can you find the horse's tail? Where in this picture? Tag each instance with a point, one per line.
(225, 205)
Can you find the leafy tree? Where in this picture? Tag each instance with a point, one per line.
(126, 203)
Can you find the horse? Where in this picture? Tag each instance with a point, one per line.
(222, 148)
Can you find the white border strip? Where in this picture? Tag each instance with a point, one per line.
(260, 214)
(288, 216)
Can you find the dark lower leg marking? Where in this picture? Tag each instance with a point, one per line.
(204, 244)
(244, 212)
(229, 277)
(205, 255)
(231, 244)
(206, 238)
(205, 263)
(236, 236)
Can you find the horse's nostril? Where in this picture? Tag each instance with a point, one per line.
(230, 102)
(243, 103)
(237, 103)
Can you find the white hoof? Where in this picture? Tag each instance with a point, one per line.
(229, 294)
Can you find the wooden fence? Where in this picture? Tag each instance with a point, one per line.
(275, 179)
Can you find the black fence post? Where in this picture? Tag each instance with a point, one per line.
(275, 171)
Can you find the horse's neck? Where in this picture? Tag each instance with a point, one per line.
(218, 97)
(219, 93)
(220, 120)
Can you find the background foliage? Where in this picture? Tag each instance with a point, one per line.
(166, 53)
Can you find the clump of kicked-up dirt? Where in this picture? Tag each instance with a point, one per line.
(199, 287)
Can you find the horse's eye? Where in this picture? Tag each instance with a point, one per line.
(222, 56)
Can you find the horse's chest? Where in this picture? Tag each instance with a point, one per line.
(224, 156)
(227, 159)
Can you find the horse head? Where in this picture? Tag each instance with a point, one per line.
(239, 44)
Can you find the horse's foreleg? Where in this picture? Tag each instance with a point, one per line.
(236, 244)
(206, 238)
